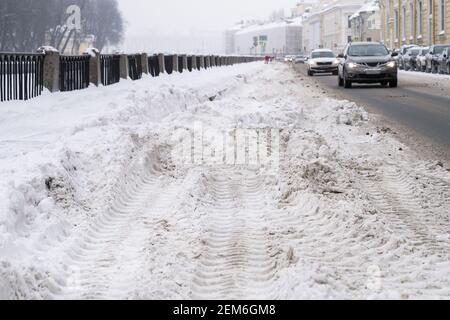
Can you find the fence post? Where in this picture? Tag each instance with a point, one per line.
(144, 61)
(94, 67)
(175, 63)
(162, 64)
(194, 62)
(202, 62)
(185, 62)
(124, 66)
(51, 71)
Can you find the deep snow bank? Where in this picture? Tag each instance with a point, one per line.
(62, 155)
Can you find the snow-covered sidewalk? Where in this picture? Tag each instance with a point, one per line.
(96, 202)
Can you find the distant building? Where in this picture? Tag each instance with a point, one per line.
(327, 25)
(229, 38)
(312, 32)
(422, 22)
(366, 22)
(304, 6)
(280, 37)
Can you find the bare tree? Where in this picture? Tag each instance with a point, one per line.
(28, 24)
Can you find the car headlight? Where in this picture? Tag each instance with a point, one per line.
(391, 64)
(352, 65)
(336, 61)
(312, 62)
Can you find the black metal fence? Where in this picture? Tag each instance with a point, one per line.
(135, 66)
(180, 64)
(109, 69)
(168, 64)
(73, 72)
(190, 63)
(153, 66)
(21, 76)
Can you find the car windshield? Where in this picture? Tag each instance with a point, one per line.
(322, 54)
(368, 51)
(405, 49)
(440, 49)
(425, 51)
(414, 52)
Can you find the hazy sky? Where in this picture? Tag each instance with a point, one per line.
(176, 16)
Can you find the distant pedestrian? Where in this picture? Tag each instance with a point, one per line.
(266, 59)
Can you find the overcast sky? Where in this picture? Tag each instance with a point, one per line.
(177, 16)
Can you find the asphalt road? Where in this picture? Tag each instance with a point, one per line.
(420, 105)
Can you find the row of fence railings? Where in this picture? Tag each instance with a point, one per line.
(110, 69)
(21, 76)
(74, 72)
(24, 76)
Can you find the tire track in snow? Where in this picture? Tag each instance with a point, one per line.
(107, 257)
(425, 234)
(394, 196)
(236, 263)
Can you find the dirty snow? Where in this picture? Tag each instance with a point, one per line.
(96, 203)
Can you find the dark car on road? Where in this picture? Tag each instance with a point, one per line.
(367, 62)
(410, 58)
(444, 61)
(432, 62)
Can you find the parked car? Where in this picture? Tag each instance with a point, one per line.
(444, 61)
(421, 59)
(402, 53)
(322, 61)
(289, 58)
(367, 62)
(432, 62)
(410, 58)
(300, 59)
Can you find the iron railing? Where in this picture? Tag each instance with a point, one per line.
(135, 66)
(180, 64)
(109, 69)
(153, 65)
(73, 72)
(190, 63)
(21, 76)
(168, 64)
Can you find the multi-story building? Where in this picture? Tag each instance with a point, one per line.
(366, 22)
(304, 6)
(279, 37)
(422, 22)
(328, 26)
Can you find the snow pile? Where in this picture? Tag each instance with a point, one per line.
(62, 154)
(97, 204)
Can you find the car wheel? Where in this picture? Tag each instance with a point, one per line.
(335, 73)
(340, 81)
(347, 83)
(310, 74)
(393, 83)
(384, 83)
